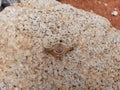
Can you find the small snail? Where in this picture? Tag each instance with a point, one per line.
(58, 50)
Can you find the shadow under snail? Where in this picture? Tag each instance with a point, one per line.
(59, 50)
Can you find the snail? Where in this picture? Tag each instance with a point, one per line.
(59, 50)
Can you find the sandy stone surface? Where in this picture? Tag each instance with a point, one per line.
(100, 7)
(25, 29)
(6, 3)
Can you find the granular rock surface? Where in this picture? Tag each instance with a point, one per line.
(26, 29)
(105, 8)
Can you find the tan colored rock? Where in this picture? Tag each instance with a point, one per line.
(93, 64)
(39, 4)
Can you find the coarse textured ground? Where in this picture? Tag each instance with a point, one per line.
(101, 7)
(26, 28)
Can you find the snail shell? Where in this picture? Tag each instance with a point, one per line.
(59, 50)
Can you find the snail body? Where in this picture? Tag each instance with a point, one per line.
(58, 50)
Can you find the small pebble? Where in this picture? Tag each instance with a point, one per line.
(99, 2)
(91, 11)
(115, 8)
(114, 13)
(105, 4)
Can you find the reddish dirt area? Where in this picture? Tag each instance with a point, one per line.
(101, 7)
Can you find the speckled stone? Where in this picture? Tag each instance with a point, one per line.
(25, 29)
(6, 3)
